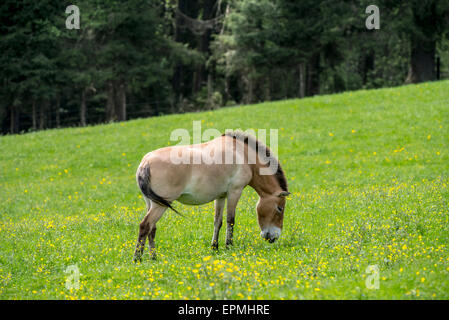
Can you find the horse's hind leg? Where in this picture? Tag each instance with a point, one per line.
(218, 221)
(147, 228)
(152, 246)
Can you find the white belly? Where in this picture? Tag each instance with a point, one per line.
(197, 199)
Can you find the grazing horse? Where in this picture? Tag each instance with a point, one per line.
(163, 180)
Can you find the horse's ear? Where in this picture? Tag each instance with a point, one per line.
(283, 194)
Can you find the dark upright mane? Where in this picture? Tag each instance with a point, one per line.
(252, 141)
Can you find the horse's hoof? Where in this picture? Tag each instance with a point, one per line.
(214, 245)
(153, 254)
(137, 258)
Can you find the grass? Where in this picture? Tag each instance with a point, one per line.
(368, 172)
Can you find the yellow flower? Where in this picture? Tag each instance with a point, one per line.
(207, 258)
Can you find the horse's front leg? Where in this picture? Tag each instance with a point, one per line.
(147, 228)
(233, 198)
(218, 221)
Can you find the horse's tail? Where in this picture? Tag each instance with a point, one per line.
(143, 180)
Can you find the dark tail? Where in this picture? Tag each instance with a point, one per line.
(143, 179)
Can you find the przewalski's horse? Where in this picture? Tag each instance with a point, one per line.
(227, 165)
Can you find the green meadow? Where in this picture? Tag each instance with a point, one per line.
(369, 176)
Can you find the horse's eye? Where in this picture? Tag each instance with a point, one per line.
(279, 209)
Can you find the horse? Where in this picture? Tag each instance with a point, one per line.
(162, 179)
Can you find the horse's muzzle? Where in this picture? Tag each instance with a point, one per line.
(271, 234)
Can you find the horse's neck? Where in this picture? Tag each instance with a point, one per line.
(263, 184)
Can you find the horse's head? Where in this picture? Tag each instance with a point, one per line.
(270, 211)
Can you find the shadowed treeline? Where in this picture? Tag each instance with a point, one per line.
(144, 58)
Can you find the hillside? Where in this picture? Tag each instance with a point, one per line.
(368, 172)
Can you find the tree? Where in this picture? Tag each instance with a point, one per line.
(132, 50)
(423, 23)
(29, 44)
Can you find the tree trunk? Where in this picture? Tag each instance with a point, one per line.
(42, 108)
(302, 80)
(83, 108)
(12, 124)
(227, 96)
(196, 79)
(438, 68)
(181, 87)
(249, 90)
(267, 89)
(58, 111)
(17, 120)
(313, 75)
(367, 65)
(34, 115)
(110, 104)
(121, 96)
(210, 90)
(177, 74)
(201, 73)
(422, 61)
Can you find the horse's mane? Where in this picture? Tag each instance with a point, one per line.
(252, 141)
